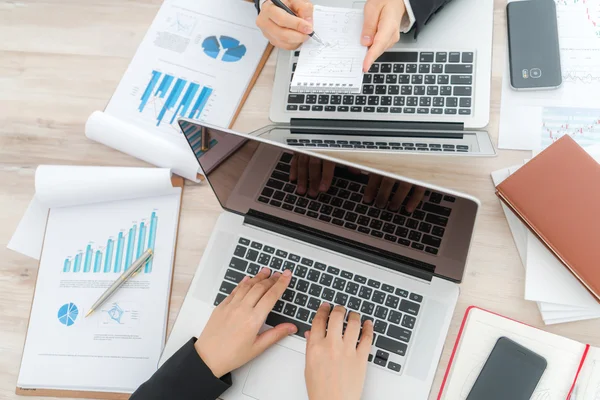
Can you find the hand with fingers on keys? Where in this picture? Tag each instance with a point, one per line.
(313, 176)
(230, 338)
(335, 365)
(283, 30)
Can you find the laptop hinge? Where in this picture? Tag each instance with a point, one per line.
(375, 125)
(338, 244)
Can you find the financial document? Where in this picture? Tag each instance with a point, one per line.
(196, 61)
(86, 248)
(336, 65)
(527, 116)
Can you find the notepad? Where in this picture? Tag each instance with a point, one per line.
(336, 66)
(572, 366)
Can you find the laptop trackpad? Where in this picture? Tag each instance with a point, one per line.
(277, 374)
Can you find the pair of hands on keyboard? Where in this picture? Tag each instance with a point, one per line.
(335, 365)
(314, 176)
(381, 27)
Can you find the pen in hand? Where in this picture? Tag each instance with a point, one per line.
(285, 8)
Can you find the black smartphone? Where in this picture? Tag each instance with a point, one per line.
(533, 47)
(510, 372)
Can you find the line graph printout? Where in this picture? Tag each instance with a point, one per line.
(582, 124)
(335, 66)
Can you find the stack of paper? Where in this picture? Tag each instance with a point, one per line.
(559, 295)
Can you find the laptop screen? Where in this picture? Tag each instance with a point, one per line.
(332, 200)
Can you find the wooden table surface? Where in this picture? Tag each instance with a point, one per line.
(62, 59)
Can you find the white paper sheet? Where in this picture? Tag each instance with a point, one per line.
(482, 331)
(61, 186)
(196, 61)
(86, 248)
(136, 142)
(336, 65)
(522, 112)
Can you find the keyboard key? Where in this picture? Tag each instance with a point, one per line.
(365, 292)
(380, 361)
(352, 288)
(378, 297)
(274, 319)
(302, 285)
(437, 220)
(326, 279)
(409, 307)
(354, 303)
(431, 250)
(394, 367)
(256, 245)
(432, 241)
(392, 301)
(360, 279)
(307, 261)
(367, 308)
(339, 283)
(341, 299)
(314, 304)
(393, 346)
(380, 326)
(238, 264)
(395, 317)
(226, 287)
(303, 314)
(461, 80)
(440, 210)
(416, 297)
(301, 299)
(294, 257)
(220, 297)
(425, 227)
(408, 321)
(402, 293)
(458, 69)
(234, 276)
(295, 98)
(346, 274)
(426, 57)
(462, 91)
(315, 290)
(467, 57)
(253, 269)
(328, 294)
(399, 333)
(441, 57)
(291, 107)
(313, 275)
(381, 312)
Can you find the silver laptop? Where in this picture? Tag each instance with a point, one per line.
(433, 90)
(398, 268)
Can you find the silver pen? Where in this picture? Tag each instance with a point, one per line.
(135, 267)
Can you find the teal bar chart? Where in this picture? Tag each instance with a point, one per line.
(119, 252)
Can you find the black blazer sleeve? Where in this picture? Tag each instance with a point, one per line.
(184, 376)
(424, 10)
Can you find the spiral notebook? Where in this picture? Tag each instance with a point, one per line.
(336, 66)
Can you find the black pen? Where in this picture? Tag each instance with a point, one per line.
(285, 8)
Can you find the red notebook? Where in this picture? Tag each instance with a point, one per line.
(573, 367)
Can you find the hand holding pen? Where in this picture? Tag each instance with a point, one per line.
(288, 23)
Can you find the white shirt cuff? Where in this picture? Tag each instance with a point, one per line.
(409, 18)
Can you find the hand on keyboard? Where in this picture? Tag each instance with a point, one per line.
(282, 29)
(312, 174)
(335, 365)
(230, 339)
(379, 189)
(381, 29)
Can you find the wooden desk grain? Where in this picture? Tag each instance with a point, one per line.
(62, 59)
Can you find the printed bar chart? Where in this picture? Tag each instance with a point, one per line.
(174, 99)
(118, 254)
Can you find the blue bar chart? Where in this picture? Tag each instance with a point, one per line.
(173, 97)
(119, 252)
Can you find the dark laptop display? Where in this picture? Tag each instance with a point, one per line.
(335, 204)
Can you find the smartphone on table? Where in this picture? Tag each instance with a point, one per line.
(511, 372)
(533, 45)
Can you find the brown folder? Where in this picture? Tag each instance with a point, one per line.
(557, 195)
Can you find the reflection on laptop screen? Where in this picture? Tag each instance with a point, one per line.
(336, 201)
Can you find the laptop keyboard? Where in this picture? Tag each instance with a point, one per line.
(343, 206)
(369, 145)
(402, 82)
(393, 310)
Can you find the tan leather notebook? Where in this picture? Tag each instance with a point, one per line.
(557, 195)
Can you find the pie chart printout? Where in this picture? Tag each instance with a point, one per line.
(223, 48)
